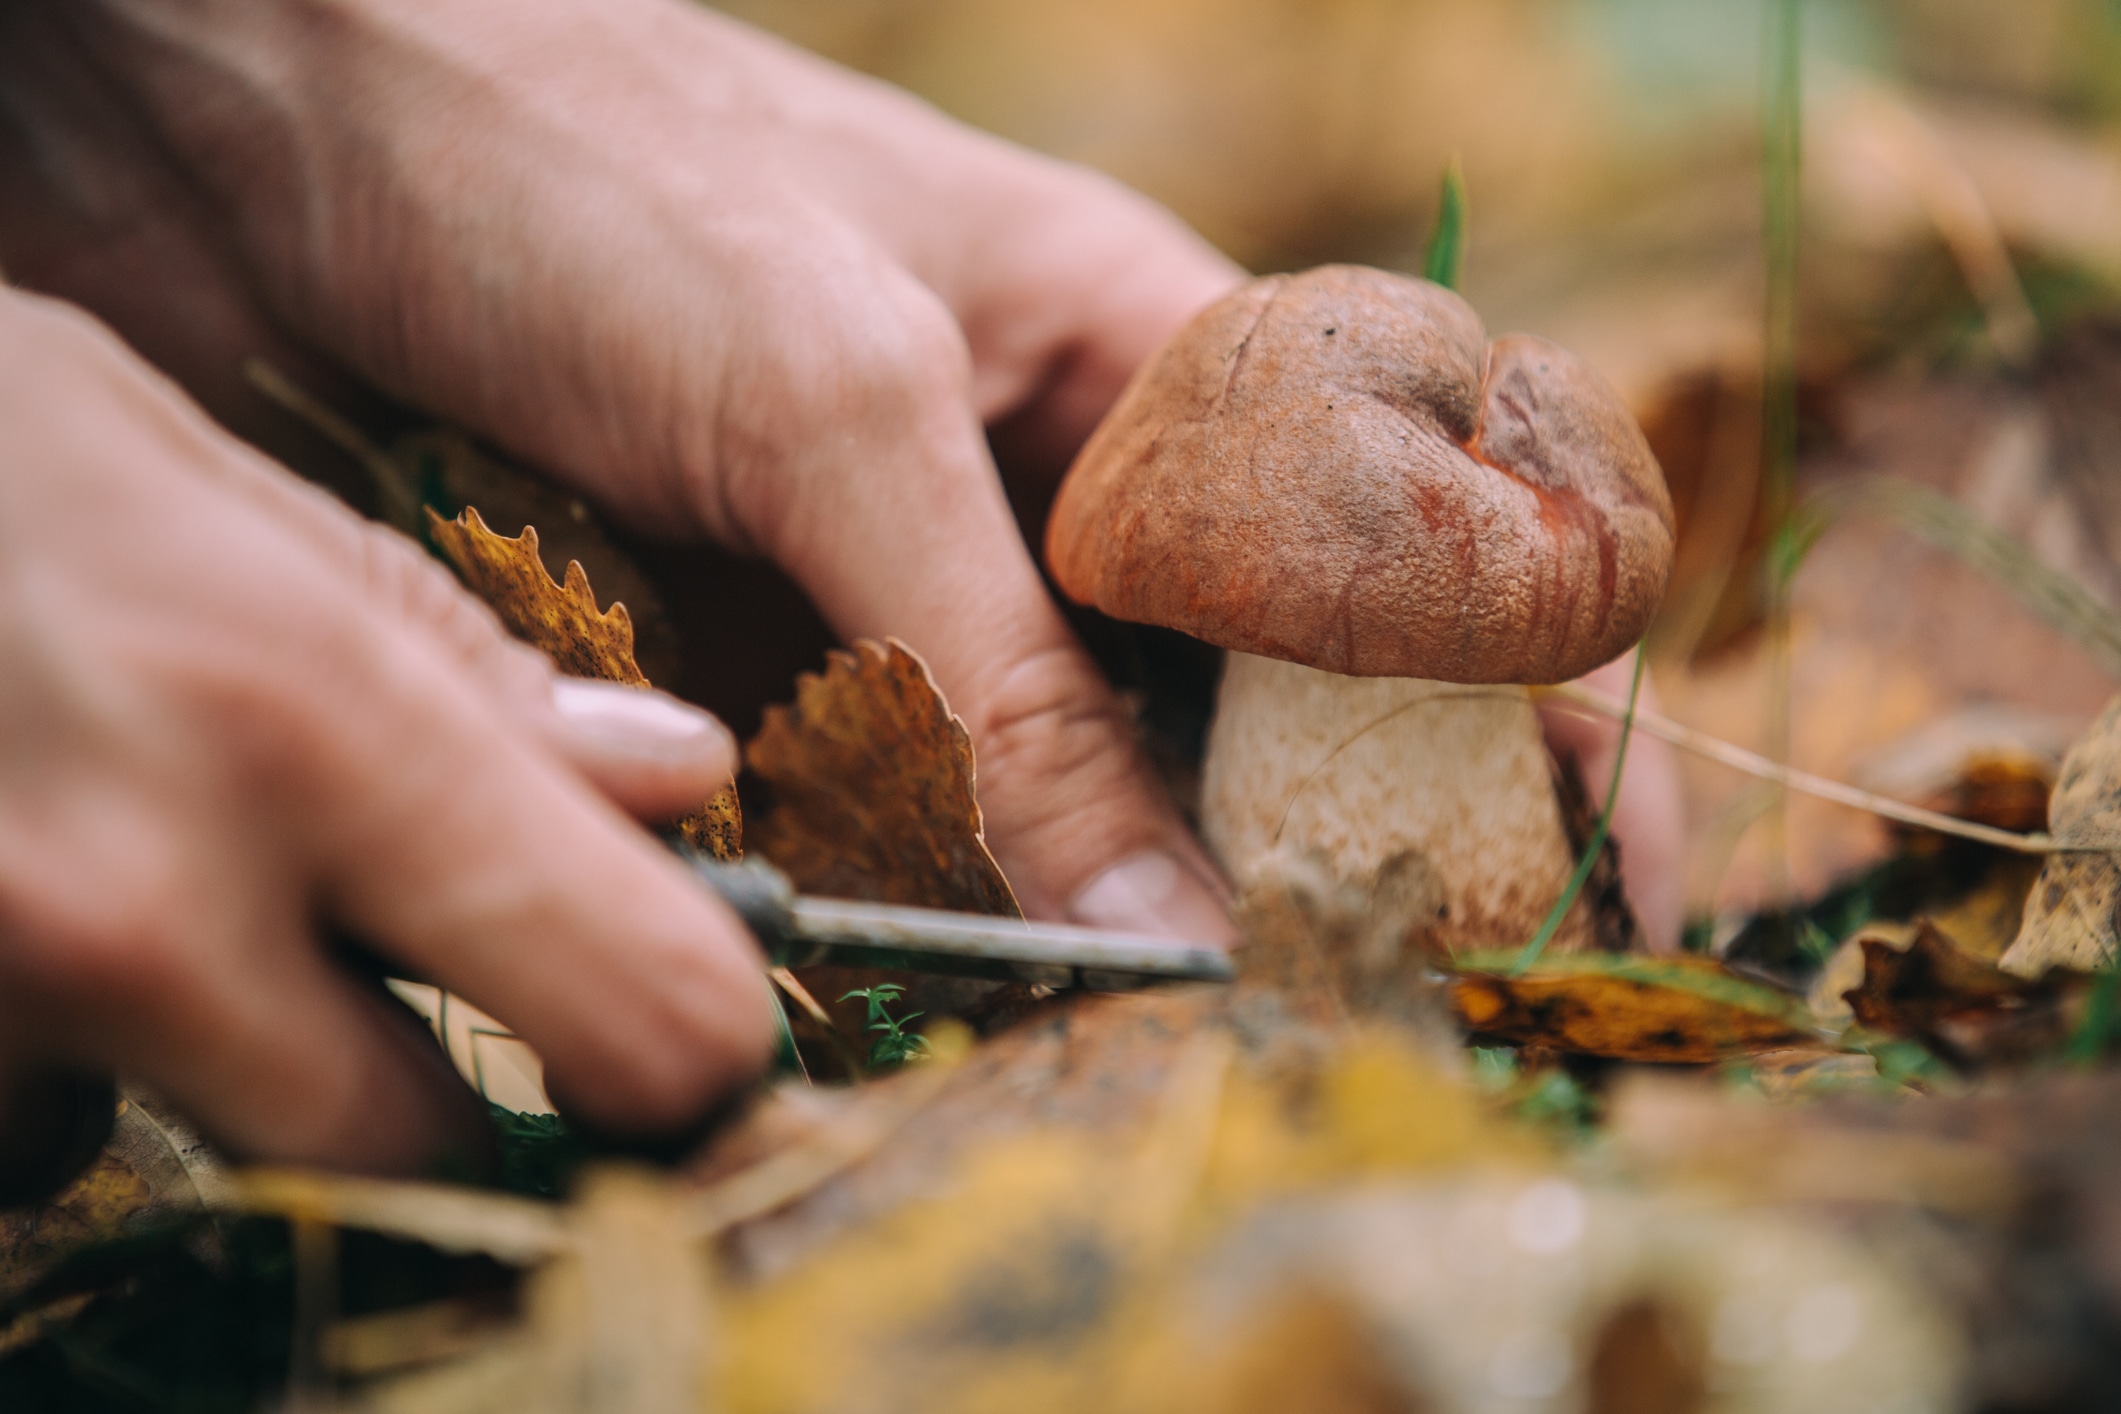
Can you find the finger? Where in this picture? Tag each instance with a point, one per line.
(1649, 817)
(1149, 276)
(919, 542)
(652, 755)
(465, 850)
(1096, 279)
(189, 960)
(300, 1063)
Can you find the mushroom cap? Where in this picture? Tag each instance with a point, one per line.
(1338, 469)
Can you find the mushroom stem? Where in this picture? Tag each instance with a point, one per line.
(1360, 771)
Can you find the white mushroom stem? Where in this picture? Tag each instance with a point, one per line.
(1356, 772)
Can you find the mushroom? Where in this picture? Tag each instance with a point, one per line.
(1392, 524)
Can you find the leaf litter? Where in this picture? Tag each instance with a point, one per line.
(1190, 1198)
(1291, 1192)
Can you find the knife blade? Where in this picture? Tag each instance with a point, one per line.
(798, 930)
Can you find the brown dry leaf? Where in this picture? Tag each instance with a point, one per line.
(1963, 1007)
(1843, 972)
(873, 785)
(564, 622)
(716, 829)
(560, 619)
(2070, 915)
(1685, 1010)
(456, 470)
(1984, 922)
(153, 1170)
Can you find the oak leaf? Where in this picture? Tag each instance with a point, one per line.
(450, 470)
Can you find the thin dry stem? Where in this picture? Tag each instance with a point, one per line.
(1754, 764)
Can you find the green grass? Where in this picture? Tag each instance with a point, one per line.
(1446, 251)
(1604, 827)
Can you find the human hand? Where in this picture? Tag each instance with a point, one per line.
(727, 290)
(233, 716)
(724, 287)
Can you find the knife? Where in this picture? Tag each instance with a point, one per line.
(798, 930)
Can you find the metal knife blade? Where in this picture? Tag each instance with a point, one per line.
(797, 930)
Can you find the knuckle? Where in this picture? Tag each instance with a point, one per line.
(878, 349)
(1050, 713)
(856, 356)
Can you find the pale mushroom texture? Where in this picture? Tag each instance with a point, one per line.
(1339, 478)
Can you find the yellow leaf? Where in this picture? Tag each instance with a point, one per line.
(1680, 1010)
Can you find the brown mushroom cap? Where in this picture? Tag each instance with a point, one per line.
(1338, 469)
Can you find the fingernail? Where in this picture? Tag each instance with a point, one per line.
(1153, 893)
(638, 721)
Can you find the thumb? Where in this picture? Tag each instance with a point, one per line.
(904, 531)
(1078, 819)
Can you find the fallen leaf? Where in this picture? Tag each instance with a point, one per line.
(1965, 1008)
(451, 470)
(1684, 1010)
(563, 620)
(2070, 915)
(1808, 1073)
(1984, 922)
(152, 1170)
(872, 779)
(1843, 972)
(1668, 1126)
(1354, 1232)
(716, 829)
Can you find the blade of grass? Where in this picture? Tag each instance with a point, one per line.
(1781, 167)
(1596, 843)
(2089, 1039)
(1447, 242)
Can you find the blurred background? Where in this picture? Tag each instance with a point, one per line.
(1959, 295)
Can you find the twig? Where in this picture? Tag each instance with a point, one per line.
(1754, 764)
